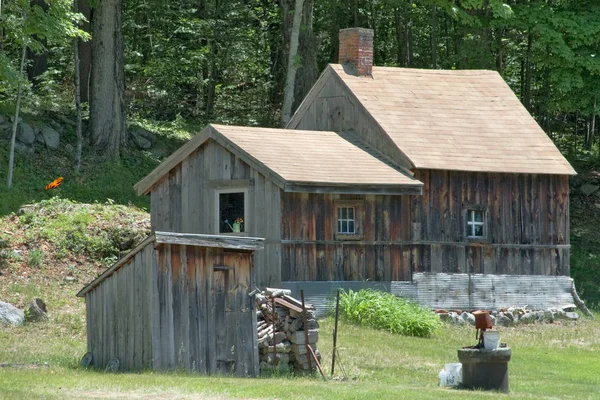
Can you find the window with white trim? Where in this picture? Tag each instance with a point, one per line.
(345, 220)
(476, 223)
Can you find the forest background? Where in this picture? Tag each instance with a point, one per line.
(251, 62)
(226, 60)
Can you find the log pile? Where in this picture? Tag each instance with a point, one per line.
(281, 332)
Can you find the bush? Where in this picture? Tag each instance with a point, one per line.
(34, 258)
(385, 311)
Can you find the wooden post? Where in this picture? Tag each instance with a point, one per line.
(337, 314)
(274, 345)
(305, 331)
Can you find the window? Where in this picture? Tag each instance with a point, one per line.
(475, 223)
(346, 220)
(231, 211)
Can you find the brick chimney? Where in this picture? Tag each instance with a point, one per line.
(356, 47)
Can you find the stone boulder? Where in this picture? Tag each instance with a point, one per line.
(25, 133)
(86, 360)
(589, 189)
(36, 311)
(50, 137)
(11, 315)
(572, 315)
(528, 318)
(113, 365)
(142, 138)
(503, 320)
(23, 148)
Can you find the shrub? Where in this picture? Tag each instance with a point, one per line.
(385, 311)
(34, 258)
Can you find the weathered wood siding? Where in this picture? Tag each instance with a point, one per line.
(119, 315)
(176, 306)
(528, 230)
(334, 108)
(184, 201)
(205, 319)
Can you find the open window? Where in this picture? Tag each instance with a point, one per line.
(232, 208)
(349, 216)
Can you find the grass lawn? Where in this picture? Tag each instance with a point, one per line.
(549, 361)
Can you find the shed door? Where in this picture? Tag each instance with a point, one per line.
(234, 342)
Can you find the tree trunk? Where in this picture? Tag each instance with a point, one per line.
(77, 101)
(11, 159)
(107, 89)
(527, 86)
(401, 38)
(308, 71)
(592, 129)
(499, 50)
(434, 28)
(1, 29)
(292, 65)
(38, 62)
(85, 51)
(37, 65)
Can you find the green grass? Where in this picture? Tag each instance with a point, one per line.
(387, 312)
(99, 232)
(97, 180)
(549, 361)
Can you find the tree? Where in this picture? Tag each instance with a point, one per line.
(107, 83)
(37, 61)
(29, 26)
(84, 50)
(292, 65)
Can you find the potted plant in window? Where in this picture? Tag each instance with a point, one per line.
(237, 224)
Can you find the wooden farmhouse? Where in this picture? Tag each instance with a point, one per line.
(177, 300)
(381, 173)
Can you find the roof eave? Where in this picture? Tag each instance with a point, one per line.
(568, 171)
(145, 185)
(109, 271)
(349, 188)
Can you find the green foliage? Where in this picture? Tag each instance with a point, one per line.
(27, 24)
(385, 311)
(34, 258)
(81, 228)
(97, 180)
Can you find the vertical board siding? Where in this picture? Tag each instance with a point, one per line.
(119, 319)
(176, 306)
(335, 109)
(185, 202)
(207, 319)
(405, 234)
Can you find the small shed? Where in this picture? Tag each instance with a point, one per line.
(177, 301)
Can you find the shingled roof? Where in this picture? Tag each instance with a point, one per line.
(467, 120)
(298, 160)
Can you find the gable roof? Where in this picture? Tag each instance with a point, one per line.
(187, 239)
(467, 120)
(298, 161)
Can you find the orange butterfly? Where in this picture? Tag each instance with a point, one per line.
(55, 183)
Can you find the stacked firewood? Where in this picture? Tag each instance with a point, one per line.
(281, 332)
